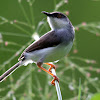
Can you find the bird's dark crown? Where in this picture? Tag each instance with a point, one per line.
(55, 14)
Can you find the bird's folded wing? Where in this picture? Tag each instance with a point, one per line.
(50, 39)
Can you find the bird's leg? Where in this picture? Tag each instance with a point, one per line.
(55, 77)
(39, 64)
(51, 66)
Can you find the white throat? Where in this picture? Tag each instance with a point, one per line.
(56, 23)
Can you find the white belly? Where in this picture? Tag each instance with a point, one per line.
(58, 53)
(50, 54)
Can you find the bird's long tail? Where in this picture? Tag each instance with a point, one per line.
(10, 71)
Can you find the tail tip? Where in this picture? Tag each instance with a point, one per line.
(1, 79)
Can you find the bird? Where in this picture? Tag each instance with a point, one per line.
(50, 47)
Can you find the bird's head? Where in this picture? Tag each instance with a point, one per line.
(57, 20)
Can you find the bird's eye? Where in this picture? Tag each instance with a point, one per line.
(59, 16)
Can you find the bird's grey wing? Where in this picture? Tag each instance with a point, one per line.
(50, 39)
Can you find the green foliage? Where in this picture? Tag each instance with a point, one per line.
(96, 96)
(79, 92)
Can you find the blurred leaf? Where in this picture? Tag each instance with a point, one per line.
(96, 96)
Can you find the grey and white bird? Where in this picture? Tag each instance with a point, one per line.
(52, 46)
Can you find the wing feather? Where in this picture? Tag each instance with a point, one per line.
(50, 39)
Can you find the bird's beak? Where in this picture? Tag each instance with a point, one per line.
(46, 13)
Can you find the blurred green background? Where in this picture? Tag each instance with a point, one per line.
(21, 21)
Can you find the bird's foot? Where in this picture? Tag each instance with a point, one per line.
(55, 79)
(49, 71)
